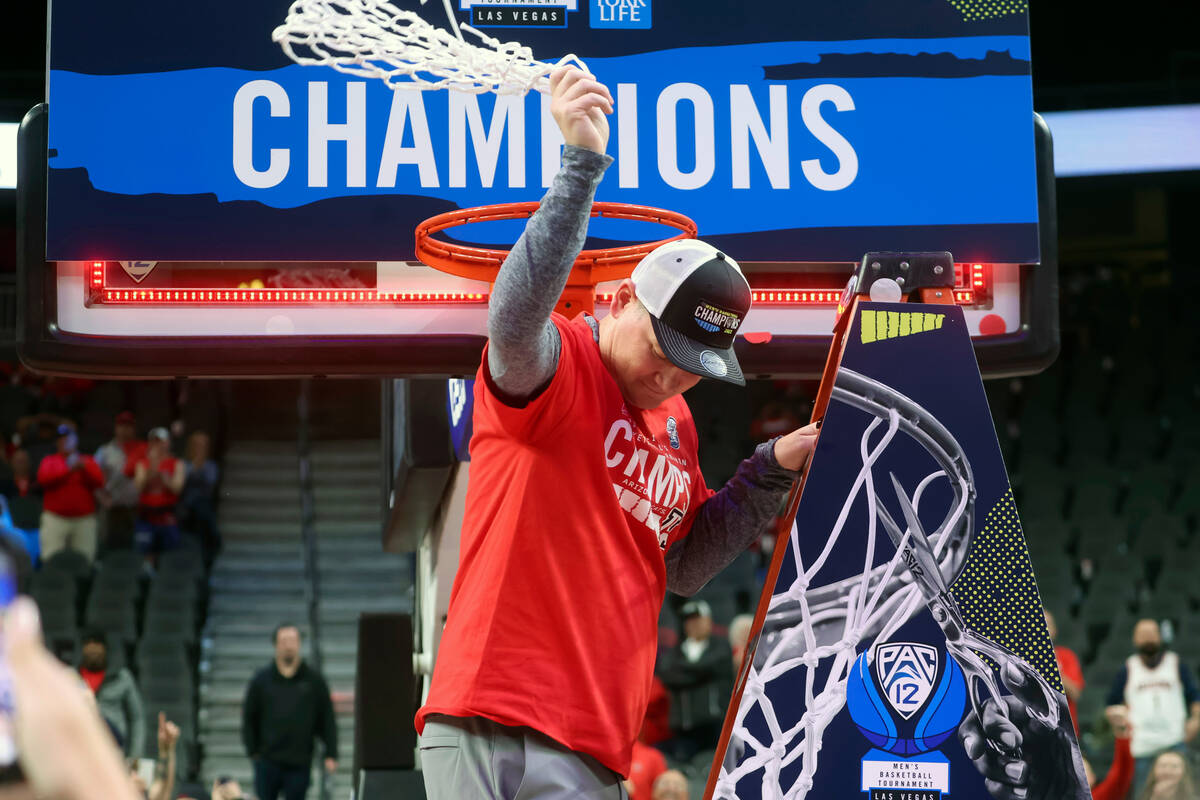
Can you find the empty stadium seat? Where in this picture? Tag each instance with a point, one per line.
(71, 562)
(115, 614)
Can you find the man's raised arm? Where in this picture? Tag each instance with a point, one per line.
(523, 344)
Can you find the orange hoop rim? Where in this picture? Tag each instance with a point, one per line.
(591, 266)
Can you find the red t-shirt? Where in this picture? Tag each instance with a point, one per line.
(157, 501)
(572, 502)
(67, 491)
(647, 765)
(1068, 665)
(93, 678)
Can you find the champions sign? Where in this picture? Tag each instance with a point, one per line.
(802, 133)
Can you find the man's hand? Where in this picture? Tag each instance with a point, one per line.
(1118, 718)
(795, 449)
(168, 735)
(579, 104)
(331, 765)
(1018, 755)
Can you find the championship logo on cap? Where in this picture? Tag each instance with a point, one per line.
(716, 320)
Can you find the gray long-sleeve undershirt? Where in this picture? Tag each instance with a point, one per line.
(523, 351)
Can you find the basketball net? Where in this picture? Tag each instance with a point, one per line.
(374, 39)
(813, 629)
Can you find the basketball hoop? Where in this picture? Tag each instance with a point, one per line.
(591, 266)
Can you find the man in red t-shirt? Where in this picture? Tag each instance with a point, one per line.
(158, 478)
(69, 482)
(586, 501)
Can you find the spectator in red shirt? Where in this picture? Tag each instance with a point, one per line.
(159, 478)
(1069, 669)
(648, 764)
(70, 482)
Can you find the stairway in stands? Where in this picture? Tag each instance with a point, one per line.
(257, 581)
(355, 575)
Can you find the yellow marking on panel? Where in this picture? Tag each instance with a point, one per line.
(876, 326)
(867, 325)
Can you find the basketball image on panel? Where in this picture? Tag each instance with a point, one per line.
(902, 644)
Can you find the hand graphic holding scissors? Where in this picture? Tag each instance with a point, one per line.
(1014, 740)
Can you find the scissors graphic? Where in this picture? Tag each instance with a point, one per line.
(968, 648)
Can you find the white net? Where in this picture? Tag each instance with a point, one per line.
(375, 39)
(813, 634)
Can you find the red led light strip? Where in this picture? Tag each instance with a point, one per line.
(972, 276)
(209, 297)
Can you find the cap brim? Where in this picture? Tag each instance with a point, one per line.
(696, 357)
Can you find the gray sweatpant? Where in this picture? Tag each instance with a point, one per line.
(472, 758)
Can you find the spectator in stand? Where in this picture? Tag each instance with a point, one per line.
(163, 787)
(70, 482)
(1069, 670)
(24, 501)
(39, 436)
(158, 477)
(116, 459)
(648, 763)
(739, 638)
(287, 706)
(671, 785)
(699, 675)
(1156, 695)
(197, 503)
(117, 696)
(1170, 779)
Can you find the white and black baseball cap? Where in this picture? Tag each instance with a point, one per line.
(697, 298)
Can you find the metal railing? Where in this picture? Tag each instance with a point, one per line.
(312, 577)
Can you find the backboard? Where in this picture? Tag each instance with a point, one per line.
(193, 202)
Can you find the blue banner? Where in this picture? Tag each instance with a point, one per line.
(780, 147)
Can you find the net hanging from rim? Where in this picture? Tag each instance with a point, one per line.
(814, 628)
(375, 39)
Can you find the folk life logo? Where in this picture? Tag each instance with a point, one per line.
(620, 13)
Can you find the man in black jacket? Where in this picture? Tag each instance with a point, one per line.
(287, 705)
(699, 674)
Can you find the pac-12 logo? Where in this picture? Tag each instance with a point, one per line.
(908, 699)
(905, 673)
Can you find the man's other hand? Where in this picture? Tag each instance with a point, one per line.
(579, 104)
(793, 450)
